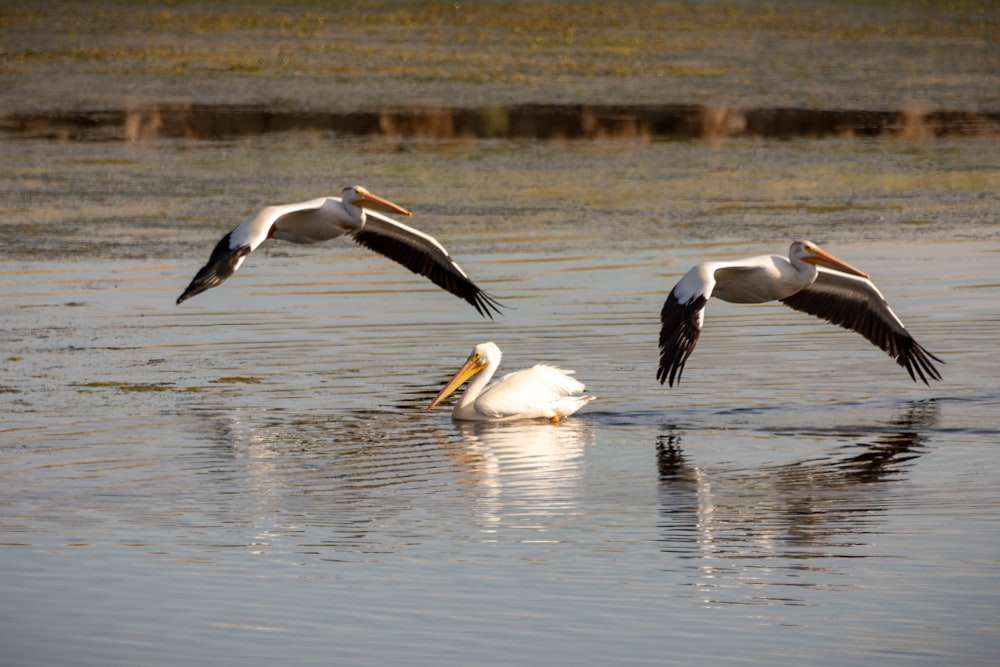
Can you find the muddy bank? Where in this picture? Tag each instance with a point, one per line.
(571, 121)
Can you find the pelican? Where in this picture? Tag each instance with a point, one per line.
(539, 392)
(356, 214)
(810, 280)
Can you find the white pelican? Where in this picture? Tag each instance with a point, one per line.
(355, 213)
(539, 392)
(843, 296)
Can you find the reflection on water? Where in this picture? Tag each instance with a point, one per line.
(772, 526)
(903, 440)
(533, 121)
(345, 480)
(361, 479)
(526, 472)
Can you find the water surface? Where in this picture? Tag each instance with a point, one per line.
(252, 476)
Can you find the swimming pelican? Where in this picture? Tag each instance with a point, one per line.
(843, 296)
(356, 214)
(539, 392)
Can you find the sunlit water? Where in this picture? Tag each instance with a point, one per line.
(253, 477)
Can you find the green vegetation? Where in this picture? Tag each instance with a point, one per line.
(237, 379)
(501, 41)
(130, 386)
(158, 386)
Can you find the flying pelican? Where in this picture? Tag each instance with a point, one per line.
(539, 392)
(356, 214)
(843, 296)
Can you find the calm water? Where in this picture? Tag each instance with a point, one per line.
(252, 476)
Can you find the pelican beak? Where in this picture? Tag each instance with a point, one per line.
(470, 368)
(823, 258)
(368, 200)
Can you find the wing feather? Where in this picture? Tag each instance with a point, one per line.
(423, 255)
(233, 248)
(681, 318)
(855, 304)
(223, 262)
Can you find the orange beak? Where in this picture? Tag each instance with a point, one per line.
(823, 258)
(368, 200)
(468, 369)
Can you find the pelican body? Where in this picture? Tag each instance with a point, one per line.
(358, 214)
(539, 392)
(810, 280)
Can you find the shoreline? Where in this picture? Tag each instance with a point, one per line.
(528, 121)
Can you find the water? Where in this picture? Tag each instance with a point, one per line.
(253, 477)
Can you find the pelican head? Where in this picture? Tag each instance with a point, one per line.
(357, 195)
(483, 356)
(809, 252)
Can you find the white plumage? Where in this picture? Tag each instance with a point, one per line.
(356, 214)
(539, 392)
(810, 280)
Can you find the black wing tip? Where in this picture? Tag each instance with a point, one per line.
(670, 370)
(917, 362)
(486, 304)
(665, 375)
(679, 333)
(220, 266)
(197, 286)
(673, 355)
(206, 279)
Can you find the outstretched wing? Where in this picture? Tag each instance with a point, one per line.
(854, 303)
(223, 263)
(423, 255)
(310, 221)
(680, 321)
(680, 326)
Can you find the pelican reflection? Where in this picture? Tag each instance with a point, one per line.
(527, 474)
(352, 487)
(752, 529)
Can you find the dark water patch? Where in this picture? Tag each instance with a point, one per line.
(542, 121)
